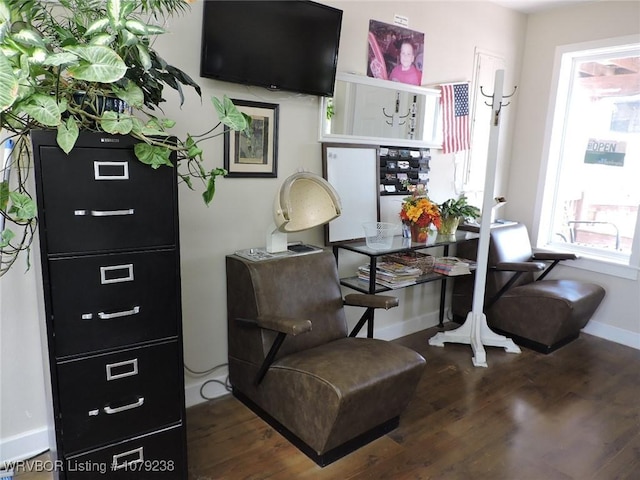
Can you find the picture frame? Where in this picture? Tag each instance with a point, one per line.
(255, 155)
(395, 53)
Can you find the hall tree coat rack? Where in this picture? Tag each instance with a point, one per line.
(475, 331)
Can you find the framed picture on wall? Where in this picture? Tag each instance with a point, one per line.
(256, 154)
(395, 53)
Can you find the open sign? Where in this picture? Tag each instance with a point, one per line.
(605, 152)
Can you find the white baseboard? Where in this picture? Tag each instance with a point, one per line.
(406, 327)
(614, 334)
(193, 395)
(24, 446)
(597, 329)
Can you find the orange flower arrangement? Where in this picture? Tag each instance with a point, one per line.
(420, 211)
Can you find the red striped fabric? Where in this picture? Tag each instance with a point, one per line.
(455, 117)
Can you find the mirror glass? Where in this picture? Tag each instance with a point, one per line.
(368, 110)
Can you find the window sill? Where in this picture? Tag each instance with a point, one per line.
(605, 266)
(616, 266)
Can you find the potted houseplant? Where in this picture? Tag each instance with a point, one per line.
(453, 211)
(75, 65)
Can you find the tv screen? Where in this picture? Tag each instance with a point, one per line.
(281, 45)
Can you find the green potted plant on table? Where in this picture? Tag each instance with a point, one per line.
(453, 211)
(76, 65)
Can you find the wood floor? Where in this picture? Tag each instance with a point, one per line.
(573, 414)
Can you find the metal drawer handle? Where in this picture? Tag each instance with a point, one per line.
(139, 452)
(112, 213)
(112, 369)
(124, 408)
(108, 274)
(125, 313)
(122, 165)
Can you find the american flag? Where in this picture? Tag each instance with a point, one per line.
(455, 117)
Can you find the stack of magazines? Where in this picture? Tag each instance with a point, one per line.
(391, 274)
(453, 266)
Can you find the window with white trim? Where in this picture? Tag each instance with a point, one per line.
(592, 190)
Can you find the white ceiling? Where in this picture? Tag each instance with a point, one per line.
(531, 6)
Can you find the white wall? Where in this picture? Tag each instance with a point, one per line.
(209, 234)
(23, 417)
(618, 317)
(241, 210)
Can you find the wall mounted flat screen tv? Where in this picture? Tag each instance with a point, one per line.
(281, 45)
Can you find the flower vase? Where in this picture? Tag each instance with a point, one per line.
(419, 234)
(449, 225)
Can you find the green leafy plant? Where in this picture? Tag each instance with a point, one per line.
(454, 211)
(76, 65)
(459, 208)
(330, 109)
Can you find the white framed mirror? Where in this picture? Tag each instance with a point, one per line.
(372, 111)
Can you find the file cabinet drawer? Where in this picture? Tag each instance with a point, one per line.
(105, 301)
(156, 456)
(104, 199)
(114, 396)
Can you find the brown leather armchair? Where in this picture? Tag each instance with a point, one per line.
(519, 302)
(291, 361)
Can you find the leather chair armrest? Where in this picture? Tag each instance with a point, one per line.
(370, 300)
(554, 256)
(520, 266)
(290, 326)
(284, 326)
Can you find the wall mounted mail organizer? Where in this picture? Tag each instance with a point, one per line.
(403, 167)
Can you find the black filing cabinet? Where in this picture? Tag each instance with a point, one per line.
(111, 277)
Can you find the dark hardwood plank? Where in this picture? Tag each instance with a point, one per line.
(573, 414)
